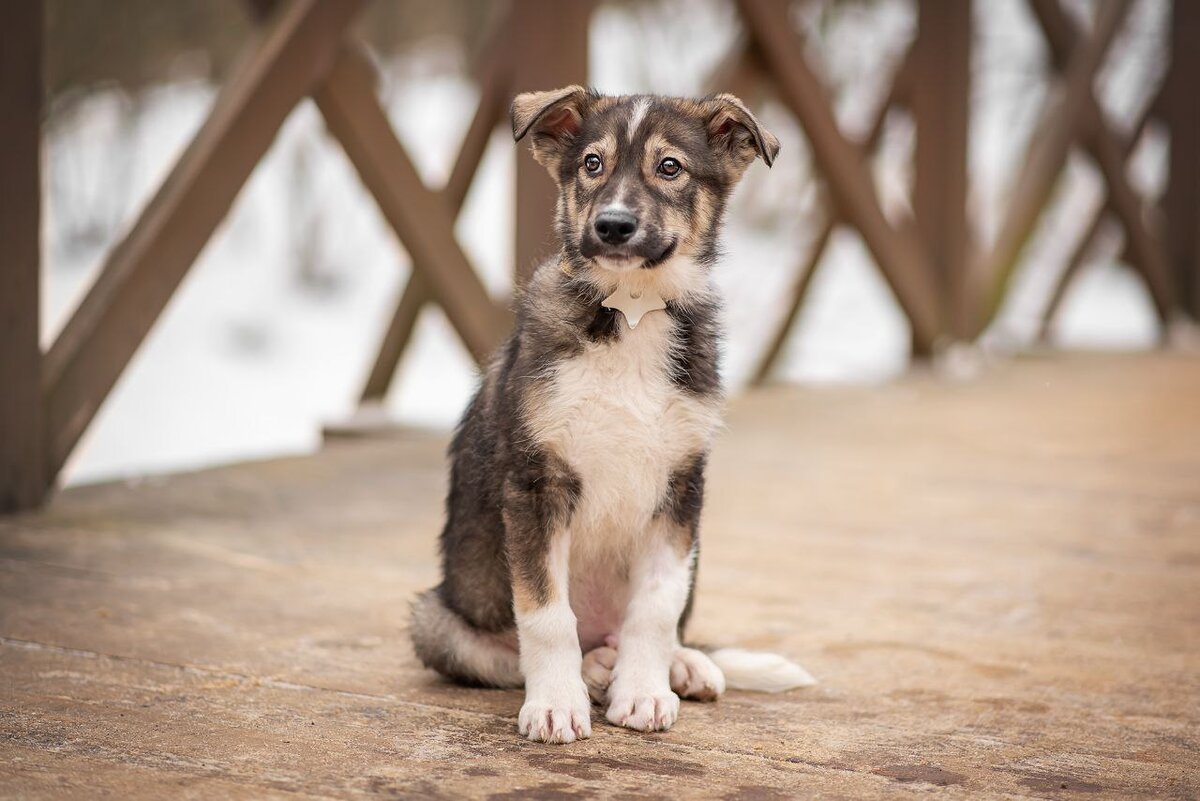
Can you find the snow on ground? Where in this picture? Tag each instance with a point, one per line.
(275, 326)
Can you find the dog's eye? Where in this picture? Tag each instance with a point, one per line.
(669, 168)
(592, 163)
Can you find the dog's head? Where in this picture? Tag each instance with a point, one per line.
(641, 178)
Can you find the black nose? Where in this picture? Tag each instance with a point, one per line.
(615, 227)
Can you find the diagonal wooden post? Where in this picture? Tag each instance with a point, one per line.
(1104, 146)
(281, 65)
(1084, 247)
(740, 73)
(421, 218)
(804, 276)
(22, 480)
(1058, 127)
(808, 270)
(899, 251)
(495, 78)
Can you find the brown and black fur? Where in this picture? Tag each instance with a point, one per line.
(506, 492)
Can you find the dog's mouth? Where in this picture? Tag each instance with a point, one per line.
(619, 261)
(666, 253)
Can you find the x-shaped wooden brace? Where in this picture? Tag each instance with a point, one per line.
(1063, 121)
(494, 77)
(1110, 150)
(1068, 116)
(897, 249)
(830, 218)
(1088, 240)
(836, 156)
(301, 49)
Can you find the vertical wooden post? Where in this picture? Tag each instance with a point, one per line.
(550, 43)
(1181, 109)
(940, 101)
(22, 483)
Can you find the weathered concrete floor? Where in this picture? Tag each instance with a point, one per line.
(997, 583)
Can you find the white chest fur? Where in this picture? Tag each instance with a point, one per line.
(616, 417)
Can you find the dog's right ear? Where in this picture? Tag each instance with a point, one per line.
(551, 120)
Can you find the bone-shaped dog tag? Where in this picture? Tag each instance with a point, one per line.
(634, 306)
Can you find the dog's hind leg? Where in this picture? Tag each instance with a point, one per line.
(696, 677)
(598, 665)
(453, 647)
(693, 675)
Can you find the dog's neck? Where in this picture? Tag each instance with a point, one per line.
(678, 279)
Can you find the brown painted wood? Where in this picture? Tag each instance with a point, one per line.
(550, 48)
(1084, 247)
(995, 582)
(898, 251)
(940, 103)
(1083, 250)
(740, 73)
(1146, 246)
(280, 65)
(804, 276)
(421, 217)
(348, 101)
(22, 480)
(1059, 126)
(1181, 111)
(396, 337)
(494, 78)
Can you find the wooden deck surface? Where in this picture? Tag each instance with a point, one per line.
(997, 584)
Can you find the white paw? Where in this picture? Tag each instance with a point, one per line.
(548, 719)
(695, 676)
(597, 672)
(644, 711)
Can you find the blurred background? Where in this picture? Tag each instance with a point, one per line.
(275, 328)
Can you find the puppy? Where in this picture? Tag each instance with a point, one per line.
(577, 472)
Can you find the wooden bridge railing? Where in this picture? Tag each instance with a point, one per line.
(948, 285)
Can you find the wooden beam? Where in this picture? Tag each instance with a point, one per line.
(396, 337)
(550, 44)
(494, 78)
(281, 64)
(421, 217)
(1058, 126)
(1105, 146)
(740, 73)
(1084, 247)
(347, 99)
(899, 252)
(22, 481)
(939, 97)
(1181, 112)
(804, 277)
(807, 271)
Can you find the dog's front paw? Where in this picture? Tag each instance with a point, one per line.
(552, 719)
(695, 676)
(643, 710)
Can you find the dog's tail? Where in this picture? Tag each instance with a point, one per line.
(759, 671)
(453, 647)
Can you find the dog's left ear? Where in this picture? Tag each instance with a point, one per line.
(734, 131)
(551, 120)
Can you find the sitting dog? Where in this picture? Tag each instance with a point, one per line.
(577, 472)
